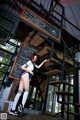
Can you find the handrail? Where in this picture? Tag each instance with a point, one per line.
(70, 52)
(62, 15)
(66, 20)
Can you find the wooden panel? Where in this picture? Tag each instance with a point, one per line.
(37, 40)
(43, 51)
(29, 36)
(52, 72)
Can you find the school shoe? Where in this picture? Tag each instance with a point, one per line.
(13, 112)
(20, 110)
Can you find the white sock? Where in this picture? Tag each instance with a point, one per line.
(16, 100)
(25, 96)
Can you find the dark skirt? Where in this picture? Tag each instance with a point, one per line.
(23, 72)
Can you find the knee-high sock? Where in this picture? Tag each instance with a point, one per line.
(16, 100)
(25, 96)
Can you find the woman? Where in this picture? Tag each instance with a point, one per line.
(24, 84)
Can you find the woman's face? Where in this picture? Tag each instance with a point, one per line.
(35, 58)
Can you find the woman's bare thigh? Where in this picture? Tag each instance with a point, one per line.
(25, 79)
(21, 85)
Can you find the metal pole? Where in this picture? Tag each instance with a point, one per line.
(77, 55)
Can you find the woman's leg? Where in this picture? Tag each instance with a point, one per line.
(25, 79)
(18, 94)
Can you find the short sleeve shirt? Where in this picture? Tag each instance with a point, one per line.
(30, 65)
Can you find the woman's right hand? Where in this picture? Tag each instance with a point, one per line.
(31, 72)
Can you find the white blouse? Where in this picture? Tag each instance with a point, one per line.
(30, 65)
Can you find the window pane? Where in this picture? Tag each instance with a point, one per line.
(8, 47)
(4, 60)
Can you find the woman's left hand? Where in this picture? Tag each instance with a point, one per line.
(46, 60)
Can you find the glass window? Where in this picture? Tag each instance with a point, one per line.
(15, 41)
(5, 56)
(4, 60)
(8, 47)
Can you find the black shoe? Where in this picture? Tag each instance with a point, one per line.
(13, 112)
(20, 110)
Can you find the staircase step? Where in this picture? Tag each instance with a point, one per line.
(54, 60)
(64, 93)
(60, 82)
(73, 113)
(67, 58)
(37, 40)
(64, 102)
(43, 51)
(29, 36)
(48, 64)
(77, 104)
(31, 33)
(52, 72)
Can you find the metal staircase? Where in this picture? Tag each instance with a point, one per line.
(43, 86)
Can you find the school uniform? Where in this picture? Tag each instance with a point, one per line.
(30, 66)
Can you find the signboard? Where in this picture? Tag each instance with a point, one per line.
(24, 54)
(41, 25)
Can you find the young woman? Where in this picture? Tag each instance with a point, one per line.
(24, 84)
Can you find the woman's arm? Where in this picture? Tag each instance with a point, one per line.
(39, 66)
(23, 67)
